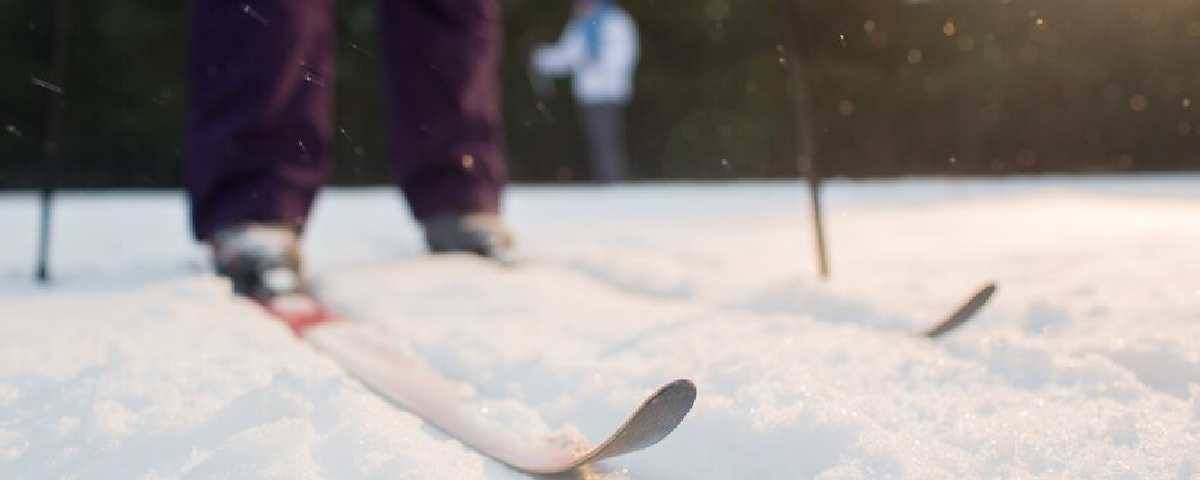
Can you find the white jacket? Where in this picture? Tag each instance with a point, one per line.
(606, 79)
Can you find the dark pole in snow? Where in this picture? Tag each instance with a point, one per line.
(806, 140)
(52, 144)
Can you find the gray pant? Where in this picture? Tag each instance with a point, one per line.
(604, 132)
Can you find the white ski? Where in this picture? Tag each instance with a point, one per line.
(402, 378)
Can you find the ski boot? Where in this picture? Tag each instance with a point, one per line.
(479, 233)
(261, 260)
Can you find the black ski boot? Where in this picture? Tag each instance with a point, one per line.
(480, 233)
(261, 260)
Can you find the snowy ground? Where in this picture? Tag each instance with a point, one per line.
(138, 365)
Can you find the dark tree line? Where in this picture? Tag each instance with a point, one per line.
(941, 87)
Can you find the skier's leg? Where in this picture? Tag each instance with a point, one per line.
(604, 134)
(443, 95)
(440, 60)
(259, 127)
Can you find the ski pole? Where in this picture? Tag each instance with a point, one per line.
(806, 141)
(52, 145)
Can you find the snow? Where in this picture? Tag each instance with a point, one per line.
(137, 364)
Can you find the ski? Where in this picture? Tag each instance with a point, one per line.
(978, 299)
(403, 379)
(962, 314)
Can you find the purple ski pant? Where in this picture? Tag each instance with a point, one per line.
(260, 128)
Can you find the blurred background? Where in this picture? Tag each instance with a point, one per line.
(949, 87)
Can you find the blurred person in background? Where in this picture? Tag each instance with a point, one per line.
(599, 50)
(260, 131)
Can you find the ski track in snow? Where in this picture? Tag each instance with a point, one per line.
(138, 364)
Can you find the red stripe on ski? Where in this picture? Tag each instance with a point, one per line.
(299, 312)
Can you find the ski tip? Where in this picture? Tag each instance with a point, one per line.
(679, 393)
(985, 294)
(988, 288)
(654, 420)
(666, 409)
(658, 415)
(964, 313)
(681, 384)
